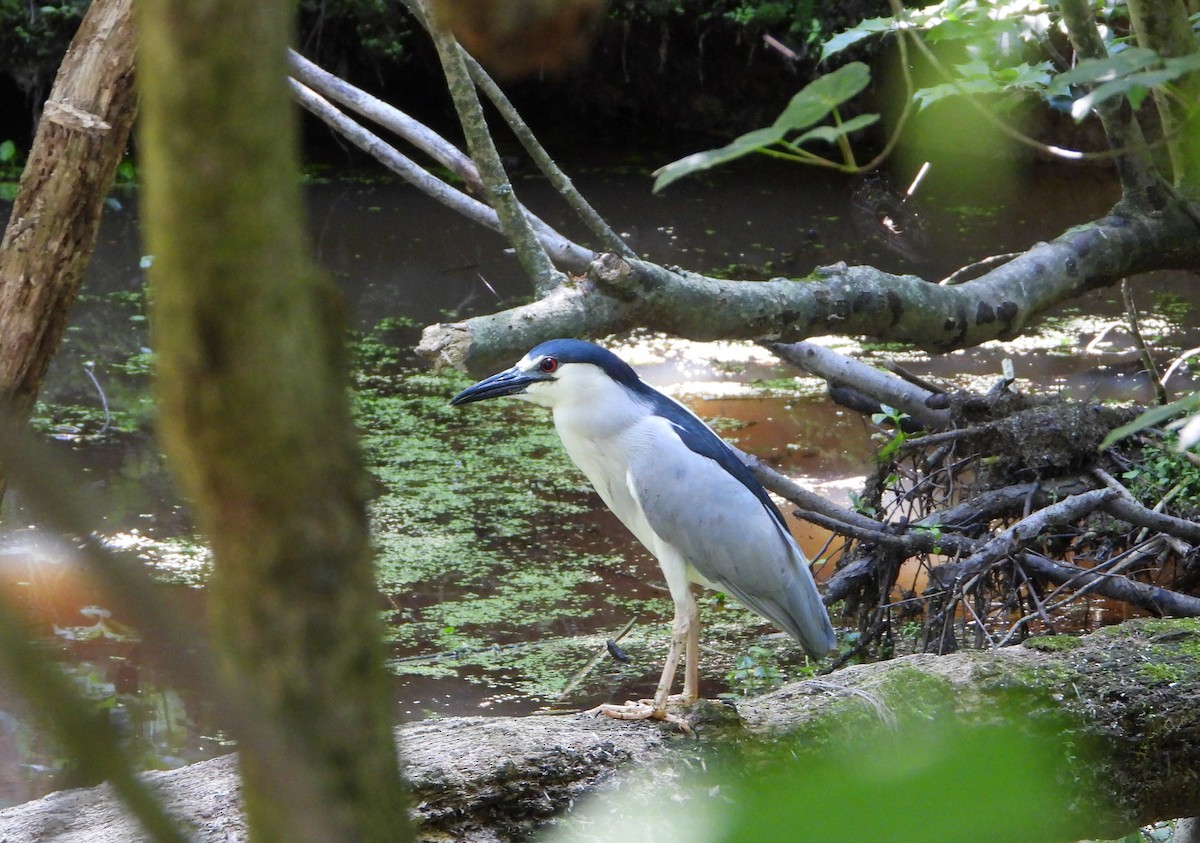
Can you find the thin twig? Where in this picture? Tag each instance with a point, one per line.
(1149, 597)
(603, 651)
(87, 370)
(914, 442)
(1178, 362)
(1029, 529)
(1039, 611)
(500, 193)
(957, 277)
(558, 179)
(979, 624)
(387, 116)
(1160, 391)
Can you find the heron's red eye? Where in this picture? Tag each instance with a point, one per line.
(548, 365)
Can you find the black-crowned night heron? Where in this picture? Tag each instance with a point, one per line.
(681, 490)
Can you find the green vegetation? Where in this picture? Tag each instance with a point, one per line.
(11, 163)
(33, 38)
(98, 385)
(1052, 643)
(1165, 476)
(754, 672)
(892, 439)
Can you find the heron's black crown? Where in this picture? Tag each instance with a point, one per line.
(580, 351)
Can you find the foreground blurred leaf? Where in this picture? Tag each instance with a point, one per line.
(935, 777)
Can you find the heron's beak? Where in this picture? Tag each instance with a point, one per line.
(509, 382)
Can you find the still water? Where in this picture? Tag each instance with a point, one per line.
(396, 254)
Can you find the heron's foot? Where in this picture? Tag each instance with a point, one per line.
(641, 710)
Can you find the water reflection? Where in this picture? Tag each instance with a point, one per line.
(159, 727)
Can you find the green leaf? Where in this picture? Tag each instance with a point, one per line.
(1123, 75)
(810, 105)
(697, 161)
(821, 96)
(1133, 87)
(8, 151)
(1150, 418)
(849, 37)
(925, 97)
(1093, 71)
(830, 134)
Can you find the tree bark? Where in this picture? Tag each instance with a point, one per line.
(618, 295)
(49, 238)
(254, 415)
(1163, 26)
(500, 194)
(1127, 690)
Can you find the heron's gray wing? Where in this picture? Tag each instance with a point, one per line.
(726, 532)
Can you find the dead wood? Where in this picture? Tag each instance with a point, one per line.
(49, 237)
(1127, 690)
(1017, 477)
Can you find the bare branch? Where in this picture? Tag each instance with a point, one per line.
(500, 194)
(1134, 163)
(563, 250)
(558, 179)
(1128, 509)
(837, 299)
(387, 116)
(1026, 531)
(1160, 601)
(809, 502)
(887, 389)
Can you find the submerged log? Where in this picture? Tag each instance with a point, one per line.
(1128, 690)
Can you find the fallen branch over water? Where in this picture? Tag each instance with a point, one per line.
(1128, 689)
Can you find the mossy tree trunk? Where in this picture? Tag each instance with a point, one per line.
(254, 415)
(1163, 26)
(49, 238)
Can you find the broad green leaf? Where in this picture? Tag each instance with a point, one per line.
(1183, 64)
(925, 97)
(1150, 418)
(849, 37)
(824, 94)
(1135, 86)
(1093, 71)
(957, 30)
(8, 151)
(977, 78)
(810, 105)
(697, 161)
(830, 134)
(1030, 76)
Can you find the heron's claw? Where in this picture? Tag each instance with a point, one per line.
(641, 710)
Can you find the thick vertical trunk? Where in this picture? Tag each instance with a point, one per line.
(254, 415)
(1163, 26)
(48, 242)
